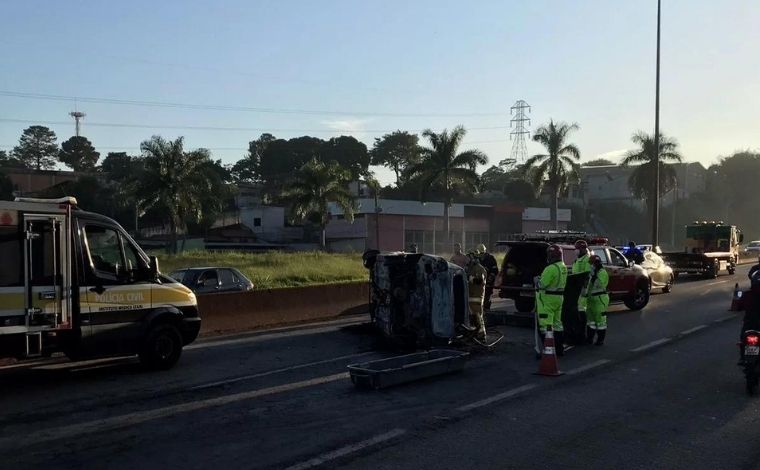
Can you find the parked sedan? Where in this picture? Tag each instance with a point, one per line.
(660, 273)
(212, 279)
(752, 248)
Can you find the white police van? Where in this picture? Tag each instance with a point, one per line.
(76, 282)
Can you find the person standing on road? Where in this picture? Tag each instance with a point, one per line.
(488, 261)
(459, 258)
(549, 293)
(581, 265)
(597, 302)
(476, 275)
(633, 253)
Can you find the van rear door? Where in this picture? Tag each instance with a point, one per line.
(46, 272)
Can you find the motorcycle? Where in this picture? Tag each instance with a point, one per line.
(750, 345)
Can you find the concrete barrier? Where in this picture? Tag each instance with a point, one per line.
(242, 311)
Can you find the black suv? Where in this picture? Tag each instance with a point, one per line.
(524, 261)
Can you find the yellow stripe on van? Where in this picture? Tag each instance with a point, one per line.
(172, 294)
(12, 301)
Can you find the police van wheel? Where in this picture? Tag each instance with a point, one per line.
(162, 347)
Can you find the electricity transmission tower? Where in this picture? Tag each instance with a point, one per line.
(78, 116)
(519, 125)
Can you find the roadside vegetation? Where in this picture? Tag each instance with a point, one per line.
(275, 269)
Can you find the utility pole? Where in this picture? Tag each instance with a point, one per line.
(673, 227)
(78, 116)
(656, 183)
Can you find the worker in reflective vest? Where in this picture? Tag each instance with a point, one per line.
(581, 265)
(598, 301)
(551, 288)
(477, 275)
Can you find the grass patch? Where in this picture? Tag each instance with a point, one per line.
(275, 269)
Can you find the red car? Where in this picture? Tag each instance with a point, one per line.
(524, 260)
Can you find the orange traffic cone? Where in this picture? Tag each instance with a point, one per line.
(736, 302)
(549, 364)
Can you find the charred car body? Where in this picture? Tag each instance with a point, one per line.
(416, 299)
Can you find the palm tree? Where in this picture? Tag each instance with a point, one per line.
(441, 167)
(559, 167)
(641, 180)
(316, 185)
(174, 182)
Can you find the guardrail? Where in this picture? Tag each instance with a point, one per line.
(242, 311)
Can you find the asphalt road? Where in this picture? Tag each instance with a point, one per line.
(664, 392)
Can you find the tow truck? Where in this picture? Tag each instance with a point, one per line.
(710, 247)
(75, 282)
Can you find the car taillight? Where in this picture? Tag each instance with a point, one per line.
(753, 340)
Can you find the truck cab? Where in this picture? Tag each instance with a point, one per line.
(709, 248)
(76, 282)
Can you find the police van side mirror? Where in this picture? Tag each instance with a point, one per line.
(153, 267)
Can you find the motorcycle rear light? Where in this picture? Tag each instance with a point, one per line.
(753, 340)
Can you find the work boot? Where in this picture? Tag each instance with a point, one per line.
(600, 337)
(590, 332)
(559, 342)
(542, 339)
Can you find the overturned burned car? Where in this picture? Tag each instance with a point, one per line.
(416, 300)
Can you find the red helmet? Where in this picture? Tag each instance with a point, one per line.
(581, 244)
(595, 260)
(553, 253)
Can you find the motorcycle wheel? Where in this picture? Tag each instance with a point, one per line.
(752, 382)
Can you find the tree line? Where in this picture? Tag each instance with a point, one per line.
(188, 189)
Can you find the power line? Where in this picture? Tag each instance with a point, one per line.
(226, 129)
(162, 104)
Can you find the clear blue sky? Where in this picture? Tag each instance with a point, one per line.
(378, 62)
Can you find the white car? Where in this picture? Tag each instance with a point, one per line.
(752, 248)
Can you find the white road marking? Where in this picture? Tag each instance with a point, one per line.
(692, 330)
(278, 371)
(705, 292)
(726, 318)
(138, 417)
(349, 449)
(270, 336)
(498, 397)
(88, 364)
(717, 282)
(594, 364)
(651, 345)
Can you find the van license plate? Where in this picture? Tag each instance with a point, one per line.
(527, 294)
(751, 350)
